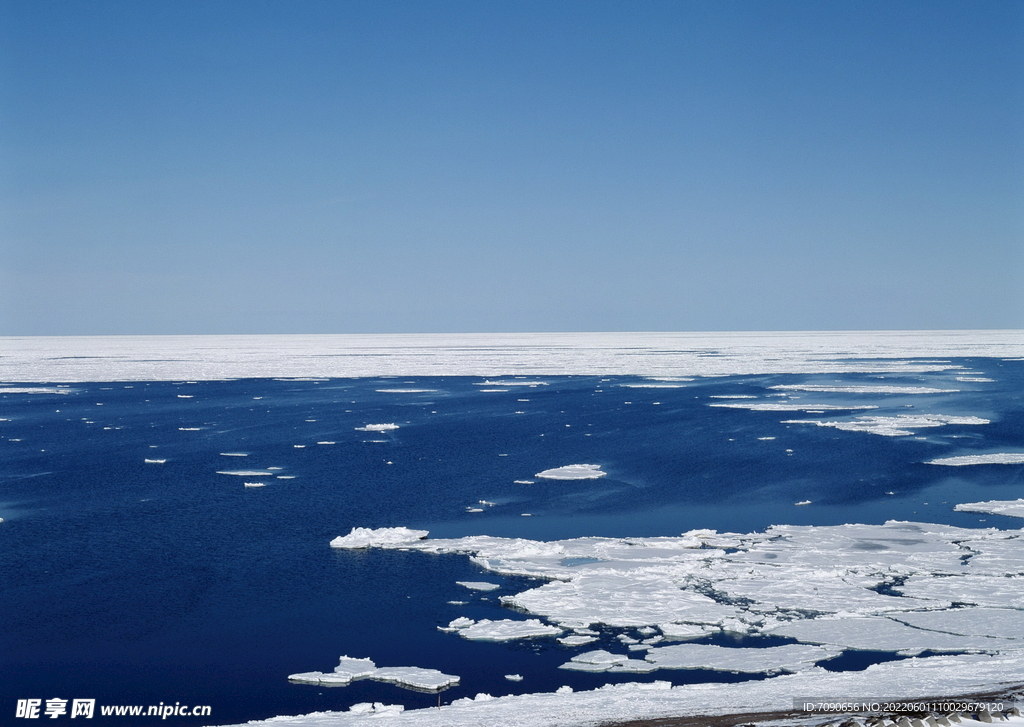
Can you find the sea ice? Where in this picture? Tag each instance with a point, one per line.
(155, 461)
(379, 538)
(233, 454)
(246, 473)
(863, 389)
(577, 640)
(1000, 458)
(873, 633)
(507, 630)
(790, 658)
(479, 585)
(573, 472)
(1005, 623)
(377, 428)
(414, 677)
(790, 406)
(901, 425)
(1011, 508)
(350, 670)
(406, 391)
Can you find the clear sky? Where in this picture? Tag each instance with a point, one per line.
(283, 166)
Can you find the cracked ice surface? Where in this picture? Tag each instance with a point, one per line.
(781, 581)
(505, 630)
(791, 657)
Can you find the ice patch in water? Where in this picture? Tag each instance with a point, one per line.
(976, 379)
(511, 383)
(863, 389)
(377, 428)
(577, 640)
(901, 425)
(246, 473)
(189, 429)
(233, 454)
(1010, 508)
(507, 630)
(255, 484)
(1000, 458)
(32, 390)
(790, 406)
(154, 461)
(732, 396)
(406, 391)
(326, 442)
(479, 585)
(522, 482)
(802, 503)
(493, 391)
(381, 537)
(653, 386)
(514, 677)
(573, 472)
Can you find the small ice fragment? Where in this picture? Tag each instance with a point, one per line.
(576, 640)
(255, 484)
(802, 502)
(507, 630)
(765, 439)
(377, 428)
(522, 482)
(514, 677)
(299, 446)
(155, 461)
(474, 509)
(479, 585)
(246, 473)
(233, 454)
(326, 442)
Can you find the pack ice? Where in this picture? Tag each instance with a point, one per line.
(901, 587)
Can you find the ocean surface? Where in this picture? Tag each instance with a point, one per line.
(136, 569)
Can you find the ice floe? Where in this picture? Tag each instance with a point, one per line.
(233, 454)
(1011, 508)
(790, 406)
(968, 459)
(603, 661)
(479, 585)
(155, 461)
(863, 389)
(350, 670)
(1004, 623)
(379, 538)
(32, 390)
(901, 425)
(514, 382)
(247, 473)
(503, 630)
(573, 472)
(406, 391)
(255, 484)
(377, 428)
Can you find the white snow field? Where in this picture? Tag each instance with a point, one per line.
(316, 357)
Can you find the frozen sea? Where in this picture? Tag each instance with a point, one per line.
(168, 502)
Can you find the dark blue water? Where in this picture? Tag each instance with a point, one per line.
(137, 583)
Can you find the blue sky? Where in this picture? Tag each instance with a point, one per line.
(259, 166)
